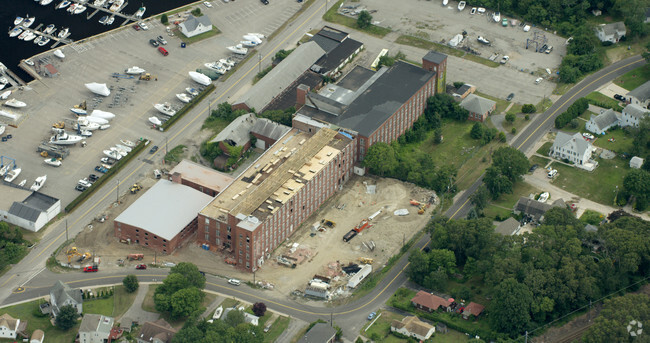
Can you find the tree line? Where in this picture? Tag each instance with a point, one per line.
(573, 112)
(12, 245)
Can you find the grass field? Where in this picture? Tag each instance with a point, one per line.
(545, 148)
(634, 78)
(114, 306)
(541, 161)
(602, 100)
(189, 40)
(599, 185)
(381, 328)
(52, 333)
(148, 304)
(175, 154)
(277, 329)
(333, 16)
(622, 141)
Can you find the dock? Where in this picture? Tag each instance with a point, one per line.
(127, 18)
(57, 40)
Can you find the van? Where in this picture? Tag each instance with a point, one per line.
(551, 174)
(538, 81)
(157, 174)
(549, 49)
(163, 51)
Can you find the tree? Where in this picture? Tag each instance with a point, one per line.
(510, 117)
(458, 84)
(185, 301)
(511, 162)
(477, 131)
(196, 12)
(130, 283)
(496, 182)
(259, 309)
(612, 322)
(385, 61)
(418, 266)
(510, 307)
(438, 139)
(164, 19)
(646, 53)
(637, 183)
(528, 108)
(480, 198)
(180, 293)
(234, 317)
(191, 273)
(364, 20)
(67, 317)
(381, 159)
(282, 54)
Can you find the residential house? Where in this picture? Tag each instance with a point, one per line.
(95, 328)
(156, 332)
(413, 327)
(428, 302)
(472, 309)
(534, 208)
(639, 96)
(636, 162)
(61, 295)
(319, 333)
(632, 115)
(612, 32)
(37, 336)
(10, 327)
(479, 108)
(509, 227)
(602, 122)
(573, 148)
(195, 25)
(248, 318)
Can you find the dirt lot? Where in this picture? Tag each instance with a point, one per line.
(313, 254)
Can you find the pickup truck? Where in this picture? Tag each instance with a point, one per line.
(101, 169)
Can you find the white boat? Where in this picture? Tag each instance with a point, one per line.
(85, 133)
(43, 41)
(102, 114)
(38, 183)
(140, 12)
(38, 39)
(213, 65)
(104, 127)
(191, 91)
(79, 111)
(248, 43)
(97, 120)
(29, 62)
(98, 88)
(252, 38)
(79, 9)
(200, 78)
(49, 29)
(119, 150)
(123, 147)
(63, 138)
(482, 40)
(15, 103)
(227, 63)
(461, 5)
(116, 6)
(99, 3)
(23, 34)
(103, 20)
(2, 128)
(15, 32)
(18, 20)
(127, 142)
(238, 49)
(217, 313)
(445, 2)
(63, 33)
(29, 21)
(258, 35)
(184, 97)
(58, 53)
(112, 154)
(63, 4)
(72, 7)
(110, 20)
(107, 160)
(543, 197)
(9, 115)
(135, 70)
(497, 16)
(165, 108)
(5, 95)
(53, 162)
(155, 121)
(12, 174)
(84, 124)
(22, 183)
(30, 35)
(45, 2)
(4, 170)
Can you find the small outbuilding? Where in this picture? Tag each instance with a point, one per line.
(636, 162)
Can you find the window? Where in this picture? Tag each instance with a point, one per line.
(207, 235)
(228, 229)
(248, 239)
(146, 233)
(137, 230)
(207, 221)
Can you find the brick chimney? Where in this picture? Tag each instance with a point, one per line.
(301, 94)
(176, 177)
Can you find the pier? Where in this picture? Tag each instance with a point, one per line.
(57, 40)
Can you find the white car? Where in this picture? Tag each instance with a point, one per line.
(207, 4)
(143, 26)
(505, 59)
(234, 282)
(588, 135)
(481, 10)
(552, 173)
(538, 81)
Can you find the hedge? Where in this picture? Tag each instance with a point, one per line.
(190, 105)
(107, 176)
(574, 111)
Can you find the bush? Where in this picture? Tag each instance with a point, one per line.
(510, 117)
(528, 108)
(574, 123)
(196, 12)
(514, 130)
(364, 20)
(66, 318)
(502, 137)
(458, 84)
(573, 112)
(130, 283)
(527, 117)
(164, 19)
(259, 309)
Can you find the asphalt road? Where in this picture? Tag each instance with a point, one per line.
(29, 279)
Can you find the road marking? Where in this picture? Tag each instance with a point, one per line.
(11, 277)
(571, 97)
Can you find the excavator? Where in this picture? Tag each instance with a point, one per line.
(72, 252)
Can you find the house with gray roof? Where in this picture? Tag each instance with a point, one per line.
(573, 148)
(601, 123)
(640, 95)
(236, 134)
(159, 331)
(267, 132)
(95, 328)
(479, 107)
(27, 209)
(280, 77)
(193, 26)
(508, 227)
(62, 295)
(156, 220)
(633, 114)
(611, 32)
(531, 207)
(319, 333)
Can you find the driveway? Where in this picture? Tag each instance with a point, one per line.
(135, 312)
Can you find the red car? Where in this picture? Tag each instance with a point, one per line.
(136, 27)
(141, 266)
(90, 269)
(163, 51)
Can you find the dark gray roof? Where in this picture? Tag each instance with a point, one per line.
(62, 291)
(642, 93)
(192, 22)
(463, 89)
(605, 119)
(320, 333)
(324, 43)
(40, 201)
(287, 98)
(32, 207)
(24, 211)
(435, 57)
(531, 207)
(374, 104)
(336, 56)
(477, 104)
(507, 227)
(356, 78)
(559, 203)
(268, 128)
(329, 38)
(159, 329)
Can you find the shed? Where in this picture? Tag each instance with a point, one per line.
(636, 162)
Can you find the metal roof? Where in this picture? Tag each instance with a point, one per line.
(24, 211)
(160, 211)
(636, 111)
(192, 22)
(605, 119)
(237, 131)
(96, 323)
(319, 333)
(268, 128)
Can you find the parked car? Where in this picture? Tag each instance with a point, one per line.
(265, 2)
(267, 328)
(154, 43)
(587, 135)
(90, 269)
(234, 282)
(163, 51)
(207, 4)
(473, 11)
(153, 149)
(533, 167)
(141, 266)
(552, 173)
(80, 188)
(136, 27)
(143, 26)
(372, 315)
(161, 40)
(510, 96)
(619, 97)
(93, 177)
(505, 59)
(101, 169)
(549, 49)
(538, 81)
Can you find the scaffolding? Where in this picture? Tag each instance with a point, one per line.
(539, 38)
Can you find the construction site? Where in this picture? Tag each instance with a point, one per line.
(380, 211)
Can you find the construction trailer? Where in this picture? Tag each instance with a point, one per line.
(356, 279)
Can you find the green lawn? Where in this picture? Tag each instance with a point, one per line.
(381, 328)
(189, 40)
(53, 334)
(333, 16)
(599, 185)
(277, 329)
(545, 148)
(99, 306)
(114, 306)
(175, 154)
(622, 142)
(502, 207)
(541, 161)
(599, 99)
(149, 306)
(634, 78)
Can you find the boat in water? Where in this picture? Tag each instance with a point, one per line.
(461, 5)
(63, 138)
(238, 49)
(79, 9)
(58, 53)
(30, 36)
(49, 29)
(18, 20)
(165, 108)
(63, 4)
(12, 174)
(110, 20)
(44, 41)
(15, 103)
(99, 3)
(140, 12)
(184, 97)
(192, 91)
(15, 32)
(38, 183)
(23, 34)
(72, 7)
(63, 33)
(38, 39)
(134, 70)
(45, 2)
(103, 20)
(155, 121)
(128, 143)
(116, 6)
(53, 162)
(29, 21)
(200, 78)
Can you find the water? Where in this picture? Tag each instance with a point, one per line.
(14, 50)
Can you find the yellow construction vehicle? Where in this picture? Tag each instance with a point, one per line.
(422, 208)
(59, 125)
(135, 188)
(72, 250)
(366, 260)
(328, 223)
(147, 77)
(44, 153)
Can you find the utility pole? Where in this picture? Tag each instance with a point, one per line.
(526, 336)
(259, 64)
(331, 319)
(117, 193)
(66, 229)
(253, 277)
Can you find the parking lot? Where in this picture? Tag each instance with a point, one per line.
(49, 100)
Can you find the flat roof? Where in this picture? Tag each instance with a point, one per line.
(203, 175)
(161, 211)
(11, 194)
(356, 78)
(340, 53)
(276, 176)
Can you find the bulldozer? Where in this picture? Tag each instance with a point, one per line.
(147, 77)
(72, 250)
(81, 106)
(366, 260)
(59, 125)
(135, 188)
(328, 223)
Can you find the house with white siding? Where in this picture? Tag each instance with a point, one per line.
(194, 26)
(632, 115)
(573, 148)
(611, 32)
(603, 122)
